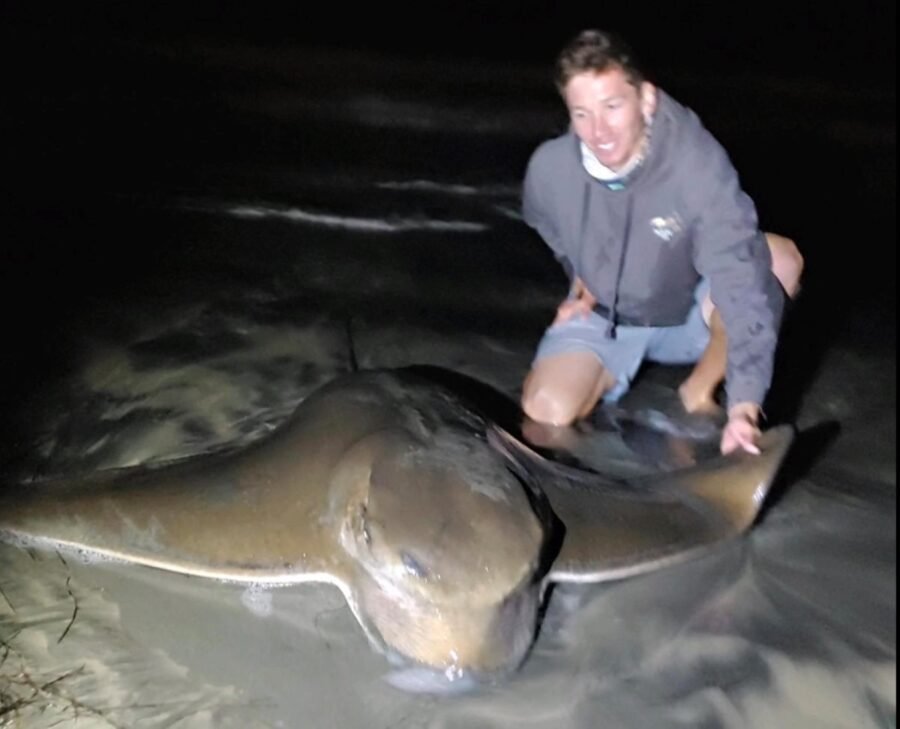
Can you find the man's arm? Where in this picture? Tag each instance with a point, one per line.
(535, 212)
(731, 251)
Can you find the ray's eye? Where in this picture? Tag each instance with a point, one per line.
(413, 566)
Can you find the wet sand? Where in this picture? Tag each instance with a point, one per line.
(792, 626)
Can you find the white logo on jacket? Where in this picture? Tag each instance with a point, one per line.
(666, 227)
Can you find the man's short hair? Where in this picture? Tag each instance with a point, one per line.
(597, 51)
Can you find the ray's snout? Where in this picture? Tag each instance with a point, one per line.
(449, 551)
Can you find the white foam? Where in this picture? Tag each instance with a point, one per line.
(421, 680)
(258, 600)
(508, 212)
(432, 115)
(369, 225)
(449, 188)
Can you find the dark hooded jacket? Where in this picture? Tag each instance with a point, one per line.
(642, 244)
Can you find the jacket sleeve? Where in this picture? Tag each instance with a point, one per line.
(536, 209)
(732, 253)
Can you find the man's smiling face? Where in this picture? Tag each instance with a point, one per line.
(610, 114)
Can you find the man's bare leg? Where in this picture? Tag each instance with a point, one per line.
(698, 390)
(558, 391)
(562, 388)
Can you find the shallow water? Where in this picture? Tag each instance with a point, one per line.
(368, 217)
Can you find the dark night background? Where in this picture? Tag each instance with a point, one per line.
(86, 115)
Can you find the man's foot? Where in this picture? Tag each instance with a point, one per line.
(699, 400)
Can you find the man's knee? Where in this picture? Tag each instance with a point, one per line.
(549, 405)
(787, 262)
(564, 397)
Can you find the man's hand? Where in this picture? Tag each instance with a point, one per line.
(742, 430)
(578, 305)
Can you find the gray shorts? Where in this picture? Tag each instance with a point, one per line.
(622, 356)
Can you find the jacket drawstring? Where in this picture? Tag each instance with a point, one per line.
(611, 326)
(585, 209)
(585, 214)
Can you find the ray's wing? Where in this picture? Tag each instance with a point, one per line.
(267, 514)
(619, 529)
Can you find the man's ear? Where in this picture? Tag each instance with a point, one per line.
(648, 101)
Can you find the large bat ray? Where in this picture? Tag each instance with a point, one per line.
(441, 529)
